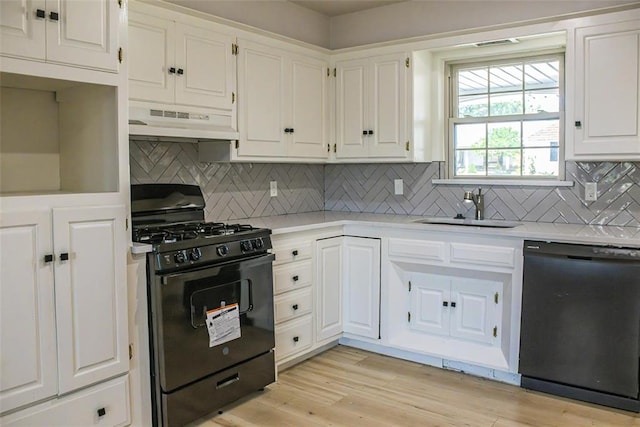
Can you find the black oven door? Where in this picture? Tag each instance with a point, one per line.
(179, 304)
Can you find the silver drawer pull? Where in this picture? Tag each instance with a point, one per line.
(227, 381)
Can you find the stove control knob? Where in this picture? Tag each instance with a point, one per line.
(246, 245)
(195, 254)
(180, 257)
(222, 250)
(258, 243)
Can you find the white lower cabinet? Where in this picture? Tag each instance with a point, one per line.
(63, 301)
(459, 308)
(293, 300)
(330, 268)
(324, 285)
(361, 287)
(106, 404)
(461, 305)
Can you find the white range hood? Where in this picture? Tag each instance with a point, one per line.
(178, 124)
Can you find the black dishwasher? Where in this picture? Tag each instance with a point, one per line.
(580, 327)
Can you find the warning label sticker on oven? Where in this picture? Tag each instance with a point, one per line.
(223, 324)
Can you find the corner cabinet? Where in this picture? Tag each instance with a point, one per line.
(63, 301)
(179, 60)
(372, 108)
(361, 287)
(79, 33)
(283, 106)
(605, 124)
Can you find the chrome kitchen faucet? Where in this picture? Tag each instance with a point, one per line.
(478, 201)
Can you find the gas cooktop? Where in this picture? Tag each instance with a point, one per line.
(178, 232)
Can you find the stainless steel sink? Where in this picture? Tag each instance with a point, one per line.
(496, 223)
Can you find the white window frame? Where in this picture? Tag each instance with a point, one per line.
(452, 106)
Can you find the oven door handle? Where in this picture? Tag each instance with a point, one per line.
(212, 270)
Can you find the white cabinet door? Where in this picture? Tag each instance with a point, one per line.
(204, 67)
(151, 54)
(261, 71)
(85, 33)
(329, 264)
(27, 316)
(91, 294)
(308, 104)
(607, 67)
(22, 32)
(388, 106)
(361, 290)
(476, 314)
(352, 98)
(429, 303)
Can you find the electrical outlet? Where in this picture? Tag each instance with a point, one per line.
(273, 186)
(591, 191)
(398, 187)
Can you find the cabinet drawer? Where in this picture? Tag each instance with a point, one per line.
(293, 337)
(482, 254)
(291, 276)
(81, 408)
(293, 304)
(420, 249)
(292, 251)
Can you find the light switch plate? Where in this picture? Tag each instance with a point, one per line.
(398, 186)
(273, 186)
(590, 191)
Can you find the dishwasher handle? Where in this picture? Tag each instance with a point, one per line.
(578, 251)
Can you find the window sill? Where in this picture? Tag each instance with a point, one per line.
(504, 182)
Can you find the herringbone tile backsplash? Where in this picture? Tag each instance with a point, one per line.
(241, 190)
(369, 188)
(231, 190)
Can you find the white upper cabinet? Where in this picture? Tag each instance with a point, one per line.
(183, 63)
(308, 103)
(152, 53)
(81, 33)
(606, 116)
(261, 110)
(283, 106)
(372, 119)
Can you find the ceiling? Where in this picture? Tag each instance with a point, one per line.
(341, 7)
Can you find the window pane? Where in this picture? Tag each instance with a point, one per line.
(473, 106)
(504, 104)
(542, 75)
(504, 135)
(505, 78)
(540, 133)
(470, 136)
(473, 81)
(503, 162)
(470, 162)
(542, 101)
(541, 161)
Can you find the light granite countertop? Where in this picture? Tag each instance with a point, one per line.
(571, 233)
(574, 233)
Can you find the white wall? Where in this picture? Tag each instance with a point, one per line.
(425, 17)
(279, 17)
(411, 18)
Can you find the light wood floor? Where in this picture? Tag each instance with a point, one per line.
(349, 387)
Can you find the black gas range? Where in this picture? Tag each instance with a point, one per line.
(170, 217)
(210, 299)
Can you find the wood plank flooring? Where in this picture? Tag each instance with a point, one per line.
(350, 387)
